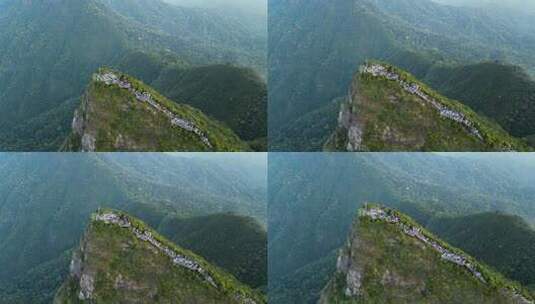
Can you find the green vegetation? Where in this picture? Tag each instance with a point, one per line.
(305, 284)
(505, 242)
(43, 71)
(393, 119)
(235, 243)
(395, 267)
(314, 196)
(120, 122)
(127, 269)
(309, 132)
(500, 91)
(312, 65)
(233, 95)
(48, 199)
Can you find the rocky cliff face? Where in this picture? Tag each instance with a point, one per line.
(120, 260)
(119, 113)
(391, 259)
(389, 110)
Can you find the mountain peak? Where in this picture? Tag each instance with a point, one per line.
(388, 109)
(120, 256)
(390, 258)
(119, 112)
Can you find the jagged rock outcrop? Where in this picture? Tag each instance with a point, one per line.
(378, 70)
(109, 78)
(120, 260)
(146, 236)
(120, 113)
(387, 109)
(391, 259)
(416, 232)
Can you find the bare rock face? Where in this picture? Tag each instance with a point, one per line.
(80, 128)
(76, 265)
(87, 287)
(80, 274)
(349, 267)
(354, 136)
(354, 282)
(88, 143)
(348, 121)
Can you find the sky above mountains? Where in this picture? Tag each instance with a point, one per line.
(525, 5)
(256, 7)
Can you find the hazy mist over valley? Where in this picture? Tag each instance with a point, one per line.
(256, 7)
(474, 58)
(267, 151)
(204, 66)
(481, 203)
(196, 201)
(519, 5)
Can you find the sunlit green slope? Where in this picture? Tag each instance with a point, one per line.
(122, 260)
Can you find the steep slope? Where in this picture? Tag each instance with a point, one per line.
(312, 64)
(390, 258)
(233, 95)
(80, 36)
(122, 260)
(47, 198)
(69, 39)
(503, 241)
(236, 96)
(313, 198)
(389, 110)
(309, 132)
(500, 91)
(120, 113)
(236, 243)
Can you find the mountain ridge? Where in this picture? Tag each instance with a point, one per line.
(307, 224)
(40, 224)
(120, 113)
(92, 275)
(381, 117)
(359, 271)
(324, 59)
(82, 36)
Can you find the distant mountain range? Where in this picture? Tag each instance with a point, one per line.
(83, 35)
(314, 198)
(312, 65)
(48, 199)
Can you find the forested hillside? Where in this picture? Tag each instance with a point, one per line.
(235, 243)
(312, 64)
(82, 35)
(389, 109)
(47, 200)
(121, 259)
(503, 241)
(389, 257)
(313, 199)
(120, 113)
